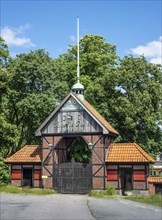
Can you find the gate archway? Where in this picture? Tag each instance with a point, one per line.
(73, 173)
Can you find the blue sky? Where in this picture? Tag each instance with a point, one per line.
(134, 26)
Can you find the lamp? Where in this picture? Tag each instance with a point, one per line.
(50, 146)
(90, 146)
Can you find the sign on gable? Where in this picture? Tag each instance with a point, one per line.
(71, 118)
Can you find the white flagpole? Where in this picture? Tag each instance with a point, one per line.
(78, 67)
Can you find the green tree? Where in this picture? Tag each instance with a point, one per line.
(79, 151)
(32, 94)
(127, 92)
(137, 109)
(96, 56)
(4, 53)
(4, 172)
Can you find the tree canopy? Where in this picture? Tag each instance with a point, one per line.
(126, 91)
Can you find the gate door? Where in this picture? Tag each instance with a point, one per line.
(73, 177)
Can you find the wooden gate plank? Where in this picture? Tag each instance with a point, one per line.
(73, 177)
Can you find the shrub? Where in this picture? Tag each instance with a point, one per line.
(110, 191)
(4, 172)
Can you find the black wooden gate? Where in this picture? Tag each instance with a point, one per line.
(73, 177)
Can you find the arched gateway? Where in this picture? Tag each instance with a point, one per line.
(75, 139)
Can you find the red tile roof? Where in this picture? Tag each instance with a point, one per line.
(127, 153)
(99, 117)
(27, 154)
(155, 179)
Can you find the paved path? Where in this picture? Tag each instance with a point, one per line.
(27, 207)
(121, 209)
(73, 207)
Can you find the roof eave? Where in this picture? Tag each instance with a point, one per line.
(137, 162)
(24, 162)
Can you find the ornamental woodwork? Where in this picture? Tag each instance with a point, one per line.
(71, 118)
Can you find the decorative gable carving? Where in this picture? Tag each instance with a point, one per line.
(71, 118)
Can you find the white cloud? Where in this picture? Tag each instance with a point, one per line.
(73, 38)
(152, 51)
(157, 60)
(13, 36)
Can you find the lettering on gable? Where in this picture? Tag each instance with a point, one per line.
(71, 118)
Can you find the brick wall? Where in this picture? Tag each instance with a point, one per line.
(16, 182)
(37, 183)
(112, 183)
(151, 188)
(47, 182)
(139, 185)
(98, 167)
(47, 159)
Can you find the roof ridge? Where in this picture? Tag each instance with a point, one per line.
(143, 152)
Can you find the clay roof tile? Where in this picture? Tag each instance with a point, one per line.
(29, 153)
(127, 152)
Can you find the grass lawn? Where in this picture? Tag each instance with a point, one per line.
(151, 199)
(26, 190)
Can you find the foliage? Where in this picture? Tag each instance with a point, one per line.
(109, 192)
(4, 53)
(31, 94)
(127, 92)
(130, 99)
(4, 173)
(79, 151)
(152, 199)
(139, 111)
(26, 190)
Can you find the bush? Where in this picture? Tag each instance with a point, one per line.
(109, 192)
(4, 172)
